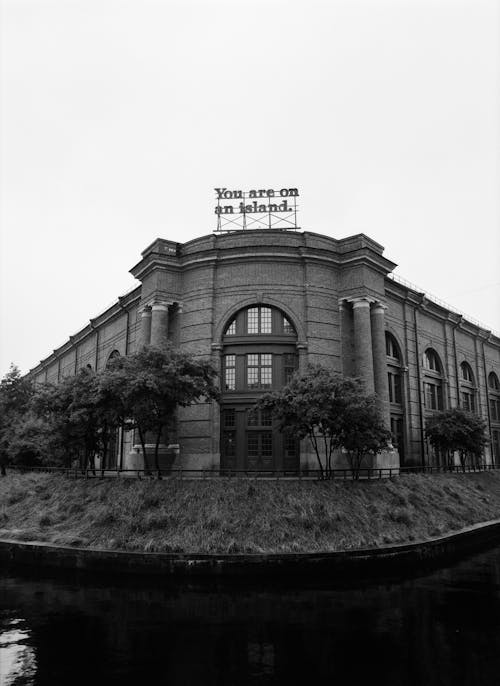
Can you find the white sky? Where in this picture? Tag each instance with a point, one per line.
(119, 118)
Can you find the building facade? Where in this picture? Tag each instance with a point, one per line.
(262, 304)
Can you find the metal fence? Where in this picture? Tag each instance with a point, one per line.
(368, 474)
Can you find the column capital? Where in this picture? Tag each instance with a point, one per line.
(379, 307)
(161, 305)
(146, 311)
(362, 301)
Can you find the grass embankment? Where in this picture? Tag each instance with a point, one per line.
(217, 515)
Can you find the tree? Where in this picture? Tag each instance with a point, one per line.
(362, 431)
(457, 430)
(15, 394)
(150, 384)
(328, 410)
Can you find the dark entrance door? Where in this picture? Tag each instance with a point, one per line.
(250, 441)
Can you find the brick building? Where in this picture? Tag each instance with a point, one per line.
(263, 303)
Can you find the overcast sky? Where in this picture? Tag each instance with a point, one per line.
(119, 119)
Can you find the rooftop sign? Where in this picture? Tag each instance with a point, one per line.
(263, 208)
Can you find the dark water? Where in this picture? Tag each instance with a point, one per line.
(443, 628)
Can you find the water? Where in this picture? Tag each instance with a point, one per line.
(443, 628)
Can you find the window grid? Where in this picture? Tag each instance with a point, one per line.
(230, 372)
(253, 320)
(259, 370)
(231, 329)
(394, 381)
(468, 401)
(431, 361)
(433, 396)
(466, 372)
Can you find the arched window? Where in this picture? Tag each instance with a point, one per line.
(494, 406)
(493, 383)
(259, 354)
(395, 387)
(467, 388)
(432, 361)
(260, 320)
(112, 356)
(433, 381)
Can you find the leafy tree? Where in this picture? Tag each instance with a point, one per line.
(362, 431)
(457, 430)
(329, 410)
(150, 384)
(15, 394)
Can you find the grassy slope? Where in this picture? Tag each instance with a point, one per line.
(217, 515)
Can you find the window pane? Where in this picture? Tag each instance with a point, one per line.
(230, 361)
(266, 444)
(229, 443)
(265, 320)
(230, 379)
(266, 377)
(266, 418)
(229, 417)
(253, 360)
(266, 359)
(253, 445)
(287, 327)
(252, 418)
(253, 377)
(253, 320)
(231, 329)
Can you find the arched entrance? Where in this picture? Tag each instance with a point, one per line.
(259, 354)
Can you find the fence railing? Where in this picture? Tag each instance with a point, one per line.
(344, 474)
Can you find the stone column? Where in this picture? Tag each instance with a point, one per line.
(302, 350)
(363, 342)
(159, 324)
(345, 337)
(379, 361)
(145, 330)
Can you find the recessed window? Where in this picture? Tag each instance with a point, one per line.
(493, 382)
(231, 329)
(230, 372)
(466, 372)
(259, 370)
(394, 382)
(433, 395)
(391, 347)
(259, 320)
(431, 360)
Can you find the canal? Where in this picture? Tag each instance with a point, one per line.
(441, 628)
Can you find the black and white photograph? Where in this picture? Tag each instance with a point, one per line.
(249, 342)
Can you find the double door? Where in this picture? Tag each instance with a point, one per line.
(249, 440)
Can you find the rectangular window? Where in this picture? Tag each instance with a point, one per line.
(230, 372)
(394, 381)
(259, 370)
(253, 320)
(229, 443)
(229, 417)
(259, 320)
(494, 410)
(468, 401)
(496, 446)
(433, 397)
(265, 320)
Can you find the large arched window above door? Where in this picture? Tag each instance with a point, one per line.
(259, 350)
(260, 320)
